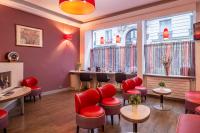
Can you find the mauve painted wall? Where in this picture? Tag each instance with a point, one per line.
(49, 64)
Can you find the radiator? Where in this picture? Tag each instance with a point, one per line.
(178, 85)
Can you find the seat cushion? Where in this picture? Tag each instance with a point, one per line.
(92, 111)
(35, 88)
(188, 123)
(133, 92)
(3, 113)
(193, 96)
(142, 88)
(110, 101)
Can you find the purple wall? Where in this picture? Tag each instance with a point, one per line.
(49, 64)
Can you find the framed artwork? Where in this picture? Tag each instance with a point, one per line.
(197, 31)
(27, 36)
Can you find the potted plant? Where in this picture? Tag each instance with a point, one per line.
(166, 61)
(134, 100)
(162, 84)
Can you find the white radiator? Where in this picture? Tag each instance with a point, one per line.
(178, 85)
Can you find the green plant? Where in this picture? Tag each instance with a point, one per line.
(84, 88)
(162, 84)
(134, 99)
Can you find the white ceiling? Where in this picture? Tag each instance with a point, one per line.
(103, 7)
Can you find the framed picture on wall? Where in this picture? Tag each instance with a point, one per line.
(27, 36)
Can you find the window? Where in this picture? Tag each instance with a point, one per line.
(179, 27)
(114, 36)
(169, 43)
(131, 37)
(115, 49)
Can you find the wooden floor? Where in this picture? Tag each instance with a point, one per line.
(55, 114)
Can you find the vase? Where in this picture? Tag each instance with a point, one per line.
(167, 70)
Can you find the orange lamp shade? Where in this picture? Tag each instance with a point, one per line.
(166, 34)
(118, 39)
(77, 7)
(102, 40)
(67, 36)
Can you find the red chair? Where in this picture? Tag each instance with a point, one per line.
(32, 83)
(138, 86)
(192, 100)
(128, 89)
(109, 102)
(89, 115)
(197, 110)
(3, 120)
(188, 123)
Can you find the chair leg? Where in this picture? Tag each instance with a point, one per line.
(77, 129)
(4, 130)
(30, 98)
(92, 130)
(145, 98)
(124, 102)
(103, 128)
(40, 96)
(112, 120)
(119, 116)
(34, 98)
(186, 111)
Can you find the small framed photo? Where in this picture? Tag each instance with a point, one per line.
(27, 36)
(197, 31)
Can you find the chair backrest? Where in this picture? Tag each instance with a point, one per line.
(128, 84)
(87, 98)
(30, 81)
(138, 81)
(101, 77)
(85, 77)
(119, 77)
(107, 91)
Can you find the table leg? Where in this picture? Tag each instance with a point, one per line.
(135, 127)
(22, 105)
(161, 101)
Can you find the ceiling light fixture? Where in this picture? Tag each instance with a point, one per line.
(77, 7)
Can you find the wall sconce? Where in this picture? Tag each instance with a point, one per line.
(197, 31)
(67, 37)
(118, 39)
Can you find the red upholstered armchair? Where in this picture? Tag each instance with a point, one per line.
(128, 89)
(138, 86)
(192, 100)
(109, 102)
(89, 115)
(32, 82)
(188, 123)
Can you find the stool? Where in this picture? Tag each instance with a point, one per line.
(3, 120)
(119, 77)
(102, 78)
(85, 77)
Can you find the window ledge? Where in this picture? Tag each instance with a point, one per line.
(170, 76)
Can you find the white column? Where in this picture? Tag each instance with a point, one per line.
(140, 49)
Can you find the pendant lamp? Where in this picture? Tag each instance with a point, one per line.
(77, 7)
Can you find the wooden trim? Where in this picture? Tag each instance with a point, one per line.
(170, 76)
(129, 10)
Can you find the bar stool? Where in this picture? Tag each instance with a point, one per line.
(85, 77)
(3, 120)
(119, 77)
(102, 78)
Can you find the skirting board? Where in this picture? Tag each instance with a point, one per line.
(55, 91)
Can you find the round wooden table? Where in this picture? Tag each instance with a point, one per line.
(162, 92)
(16, 93)
(135, 114)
